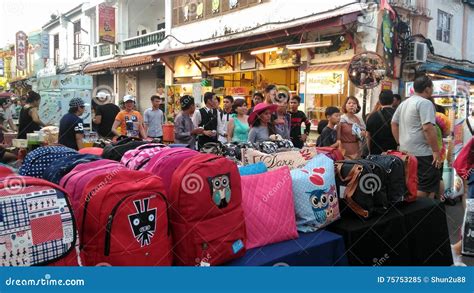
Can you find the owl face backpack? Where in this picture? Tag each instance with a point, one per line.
(314, 192)
(206, 215)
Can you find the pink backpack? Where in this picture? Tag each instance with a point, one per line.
(167, 161)
(76, 180)
(138, 158)
(267, 200)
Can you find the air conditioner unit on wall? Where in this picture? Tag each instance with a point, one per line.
(417, 52)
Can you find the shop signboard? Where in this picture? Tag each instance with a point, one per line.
(440, 88)
(21, 50)
(58, 82)
(106, 24)
(322, 82)
(386, 85)
(238, 91)
(55, 104)
(45, 45)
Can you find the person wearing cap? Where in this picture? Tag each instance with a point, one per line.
(105, 116)
(184, 130)
(208, 119)
(129, 120)
(71, 126)
(260, 121)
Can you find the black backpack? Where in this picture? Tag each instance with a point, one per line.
(395, 169)
(115, 151)
(364, 184)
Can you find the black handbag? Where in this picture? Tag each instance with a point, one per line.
(115, 151)
(215, 148)
(362, 184)
(395, 169)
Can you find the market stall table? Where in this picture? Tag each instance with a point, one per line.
(321, 248)
(414, 234)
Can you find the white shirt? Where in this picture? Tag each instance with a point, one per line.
(197, 120)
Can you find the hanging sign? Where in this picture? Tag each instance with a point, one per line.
(21, 50)
(324, 82)
(106, 24)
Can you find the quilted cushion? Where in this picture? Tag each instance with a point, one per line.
(253, 169)
(292, 159)
(268, 207)
(314, 192)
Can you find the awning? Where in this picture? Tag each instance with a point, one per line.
(341, 66)
(337, 18)
(458, 72)
(100, 66)
(121, 62)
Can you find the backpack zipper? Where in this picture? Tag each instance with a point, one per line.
(86, 205)
(108, 227)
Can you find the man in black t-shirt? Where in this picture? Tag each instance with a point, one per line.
(379, 129)
(297, 118)
(104, 119)
(71, 127)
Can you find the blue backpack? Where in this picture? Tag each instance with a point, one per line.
(38, 160)
(253, 169)
(59, 168)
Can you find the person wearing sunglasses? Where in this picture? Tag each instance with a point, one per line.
(71, 126)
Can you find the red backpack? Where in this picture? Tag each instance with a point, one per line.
(411, 173)
(167, 161)
(332, 153)
(37, 224)
(206, 213)
(123, 220)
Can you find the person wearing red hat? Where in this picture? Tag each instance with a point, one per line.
(261, 122)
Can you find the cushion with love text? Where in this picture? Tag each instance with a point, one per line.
(291, 159)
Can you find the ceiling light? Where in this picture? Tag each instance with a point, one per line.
(197, 77)
(309, 45)
(261, 51)
(213, 58)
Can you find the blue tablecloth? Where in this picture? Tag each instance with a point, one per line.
(321, 248)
